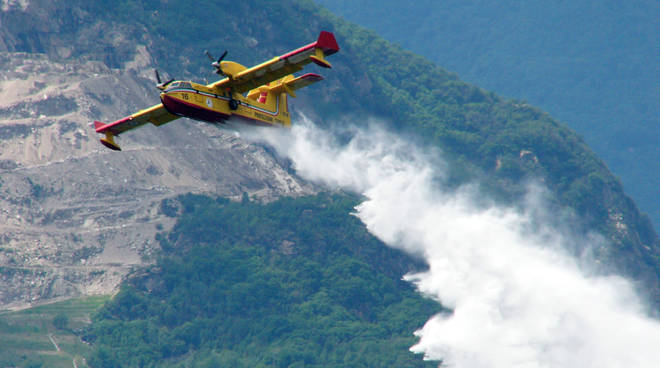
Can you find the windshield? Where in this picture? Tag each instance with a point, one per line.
(178, 85)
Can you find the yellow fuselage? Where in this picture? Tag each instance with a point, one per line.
(200, 102)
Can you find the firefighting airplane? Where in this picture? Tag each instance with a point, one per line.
(265, 103)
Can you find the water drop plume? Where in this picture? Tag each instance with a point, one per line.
(518, 299)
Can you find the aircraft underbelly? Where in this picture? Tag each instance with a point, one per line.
(191, 110)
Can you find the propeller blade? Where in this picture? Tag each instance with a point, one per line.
(222, 57)
(157, 76)
(208, 54)
(216, 63)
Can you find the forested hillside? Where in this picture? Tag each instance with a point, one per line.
(592, 64)
(294, 283)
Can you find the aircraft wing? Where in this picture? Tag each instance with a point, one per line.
(280, 66)
(156, 115)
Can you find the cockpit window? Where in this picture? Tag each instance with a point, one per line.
(178, 85)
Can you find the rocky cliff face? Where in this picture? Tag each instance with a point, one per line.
(75, 217)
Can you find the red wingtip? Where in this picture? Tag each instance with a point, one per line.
(327, 42)
(98, 125)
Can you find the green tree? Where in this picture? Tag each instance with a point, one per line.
(61, 321)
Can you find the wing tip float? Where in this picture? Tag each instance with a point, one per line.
(109, 139)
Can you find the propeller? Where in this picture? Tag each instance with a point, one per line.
(160, 84)
(217, 63)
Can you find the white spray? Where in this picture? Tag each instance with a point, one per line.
(518, 300)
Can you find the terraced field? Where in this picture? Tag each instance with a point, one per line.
(45, 336)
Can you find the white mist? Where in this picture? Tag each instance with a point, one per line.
(518, 299)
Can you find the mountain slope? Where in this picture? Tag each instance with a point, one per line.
(590, 63)
(499, 142)
(75, 218)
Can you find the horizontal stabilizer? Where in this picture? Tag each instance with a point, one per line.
(286, 85)
(303, 81)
